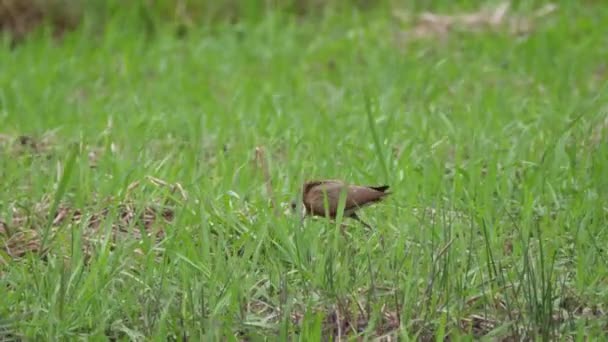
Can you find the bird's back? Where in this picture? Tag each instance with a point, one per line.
(316, 193)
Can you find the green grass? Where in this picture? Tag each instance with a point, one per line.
(494, 146)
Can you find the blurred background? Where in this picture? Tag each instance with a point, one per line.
(20, 17)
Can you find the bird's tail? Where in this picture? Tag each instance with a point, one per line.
(382, 188)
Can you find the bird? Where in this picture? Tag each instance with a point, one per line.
(357, 196)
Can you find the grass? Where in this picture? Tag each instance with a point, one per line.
(494, 145)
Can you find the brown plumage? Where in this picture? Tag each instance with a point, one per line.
(357, 196)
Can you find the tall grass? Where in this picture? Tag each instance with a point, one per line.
(134, 208)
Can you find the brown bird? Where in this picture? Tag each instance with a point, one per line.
(357, 196)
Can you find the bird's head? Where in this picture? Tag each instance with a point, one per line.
(294, 207)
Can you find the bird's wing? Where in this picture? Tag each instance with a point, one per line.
(314, 197)
(359, 196)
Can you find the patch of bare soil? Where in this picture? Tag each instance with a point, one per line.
(27, 144)
(129, 220)
(439, 26)
(344, 320)
(44, 146)
(20, 17)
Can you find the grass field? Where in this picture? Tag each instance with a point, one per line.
(145, 177)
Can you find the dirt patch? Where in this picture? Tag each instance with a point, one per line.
(20, 17)
(17, 145)
(129, 220)
(45, 146)
(341, 321)
(434, 25)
